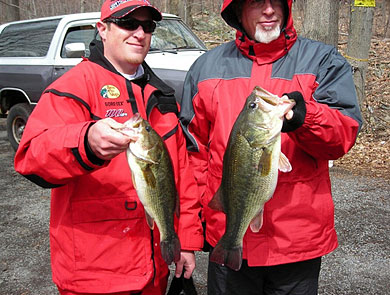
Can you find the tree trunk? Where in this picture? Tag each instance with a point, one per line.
(321, 21)
(173, 6)
(186, 9)
(387, 14)
(11, 11)
(82, 5)
(359, 42)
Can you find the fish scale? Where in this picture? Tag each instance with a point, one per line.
(250, 170)
(153, 179)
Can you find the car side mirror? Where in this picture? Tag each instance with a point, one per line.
(75, 50)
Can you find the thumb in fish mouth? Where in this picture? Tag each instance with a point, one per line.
(287, 104)
(129, 128)
(129, 132)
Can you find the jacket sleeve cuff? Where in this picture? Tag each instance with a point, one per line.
(88, 151)
(76, 143)
(191, 241)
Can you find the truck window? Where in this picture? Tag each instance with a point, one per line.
(79, 34)
(29, 39)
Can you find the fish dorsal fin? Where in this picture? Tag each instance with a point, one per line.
(265, 162)
(216, 201)
(177, 206)
(257, 222)
(149, 220)
(284, 163)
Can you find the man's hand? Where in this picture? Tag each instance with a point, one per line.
(295, 117)
(105, 142)
(186, 263)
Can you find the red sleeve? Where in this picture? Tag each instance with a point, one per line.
(326, 133)
(52, 146)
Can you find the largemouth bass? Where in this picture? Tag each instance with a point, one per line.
(250, 171)
(153, 179)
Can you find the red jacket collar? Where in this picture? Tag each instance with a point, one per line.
(266, 53)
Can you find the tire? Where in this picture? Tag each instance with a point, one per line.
(16, 122)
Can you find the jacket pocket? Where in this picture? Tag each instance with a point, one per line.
(111, 235)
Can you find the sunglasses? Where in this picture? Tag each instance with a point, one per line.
(132, 24)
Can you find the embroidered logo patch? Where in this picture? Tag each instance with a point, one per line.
(110, 92)
(120, 2)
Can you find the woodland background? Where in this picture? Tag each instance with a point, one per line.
(370, 155)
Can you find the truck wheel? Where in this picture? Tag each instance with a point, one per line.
(16, 122)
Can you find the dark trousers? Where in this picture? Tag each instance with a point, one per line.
(300, 278)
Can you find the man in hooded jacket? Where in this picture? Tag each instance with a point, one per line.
(284, 257)
(99, 236)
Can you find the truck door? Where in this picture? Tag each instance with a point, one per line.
(75, 45)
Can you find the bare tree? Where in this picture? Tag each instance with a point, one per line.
(185, 11)
(82, 5)
(11, 10)
(321, 26)
(386, 13)
(359, 42)
(173, 7)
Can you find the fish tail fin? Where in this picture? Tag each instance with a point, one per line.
(232, 258)
(170, 249)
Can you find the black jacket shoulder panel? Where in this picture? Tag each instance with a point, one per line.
(163, 97)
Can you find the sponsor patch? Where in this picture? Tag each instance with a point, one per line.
(110, 92)
(116, 113)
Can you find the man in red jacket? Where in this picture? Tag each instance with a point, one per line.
(99, 237)
(284, 257)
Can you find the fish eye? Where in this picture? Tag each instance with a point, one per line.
(252, 105)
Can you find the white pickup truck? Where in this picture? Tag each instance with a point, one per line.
(33, 53)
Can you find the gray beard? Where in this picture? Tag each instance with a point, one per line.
(266, 37)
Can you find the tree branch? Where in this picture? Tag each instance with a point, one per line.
(12, 5)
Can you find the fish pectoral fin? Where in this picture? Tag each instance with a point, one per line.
(149, 177)
(257, 222)
(265, 161)
(284, 163)
(216, 201)
(149, 220)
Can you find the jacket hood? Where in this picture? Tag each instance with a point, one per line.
(263, 53)
(231, 19)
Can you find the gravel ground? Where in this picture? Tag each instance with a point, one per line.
(361, 264)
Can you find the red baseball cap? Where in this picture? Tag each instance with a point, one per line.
(121, 8)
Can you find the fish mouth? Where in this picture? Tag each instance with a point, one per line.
(137, 148)
(266, 96)
(135, 121)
